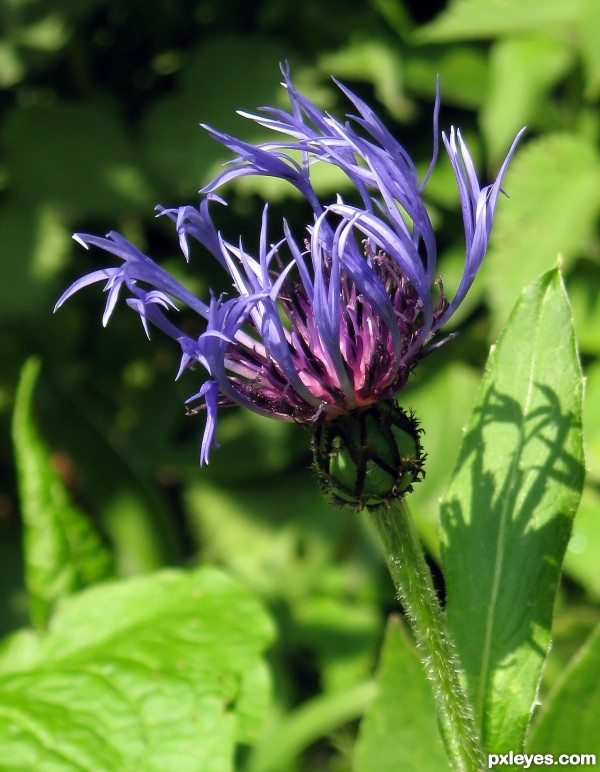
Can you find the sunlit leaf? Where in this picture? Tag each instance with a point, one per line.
(507, 517)
(161, 672)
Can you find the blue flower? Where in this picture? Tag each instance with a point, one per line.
(327, 324)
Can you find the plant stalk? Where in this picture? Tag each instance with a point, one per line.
(412, 578)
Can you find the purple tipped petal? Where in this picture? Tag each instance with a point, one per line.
(478, 209)
(84, 281)
(209, 392)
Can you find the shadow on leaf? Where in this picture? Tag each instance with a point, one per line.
(507, 521)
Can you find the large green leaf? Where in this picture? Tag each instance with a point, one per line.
(399, 731)
(507, 517)
(568, 722)
(63, 552)
(154, 673)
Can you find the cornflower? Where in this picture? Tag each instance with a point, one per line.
(324, 327)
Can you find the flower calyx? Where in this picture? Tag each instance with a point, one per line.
(370, 456)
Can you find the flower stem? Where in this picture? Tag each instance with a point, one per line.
(412, 578)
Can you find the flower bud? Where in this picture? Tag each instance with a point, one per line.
(370, 456)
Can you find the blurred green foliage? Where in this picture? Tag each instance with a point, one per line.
(99, 117)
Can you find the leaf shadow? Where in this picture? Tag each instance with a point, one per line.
(503, 563)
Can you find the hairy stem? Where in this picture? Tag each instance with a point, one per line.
(414, 584)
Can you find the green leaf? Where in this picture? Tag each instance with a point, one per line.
(468, 19)
(583, 283)
(464, 74)
(280, 551)
(29, 40)
(399, 731)
(63, 552)
(572, 625)
(344, 634)
(553, 185)
(376, 62)
(291, 555)
(507, 517)
(154, 673)
(12, 68)
(513, 100)
(313, 720)
(591, 420)
(589, 32)
(568, 721)
(137, 520)
(581, 559)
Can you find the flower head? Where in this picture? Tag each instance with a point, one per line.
(333, 320)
